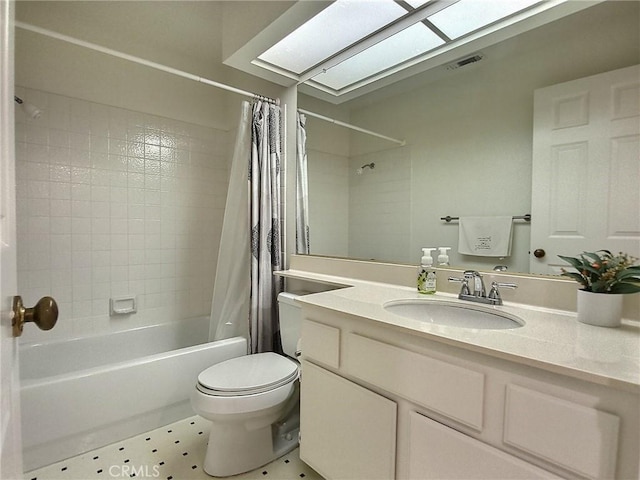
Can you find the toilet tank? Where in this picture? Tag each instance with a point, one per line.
(290, 315)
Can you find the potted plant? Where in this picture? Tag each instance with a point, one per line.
(605, 278)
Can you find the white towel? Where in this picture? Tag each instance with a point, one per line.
(485, 236)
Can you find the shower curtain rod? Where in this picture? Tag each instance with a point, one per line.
(352, 127)
(141, 61)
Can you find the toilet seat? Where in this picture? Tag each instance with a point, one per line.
(247, 375)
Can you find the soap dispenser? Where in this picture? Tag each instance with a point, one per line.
(426, 273)
(443, 258)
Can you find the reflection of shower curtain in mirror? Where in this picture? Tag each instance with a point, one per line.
(265, 221)
(302, 187)
(245, 291)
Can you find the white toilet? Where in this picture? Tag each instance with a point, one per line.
(252, 402)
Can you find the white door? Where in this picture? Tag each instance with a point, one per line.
(10, 436)
(586, 168)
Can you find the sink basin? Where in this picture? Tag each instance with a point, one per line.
(453, 314)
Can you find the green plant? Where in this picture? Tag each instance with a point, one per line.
(602, 272)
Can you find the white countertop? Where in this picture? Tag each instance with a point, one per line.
(552, 340)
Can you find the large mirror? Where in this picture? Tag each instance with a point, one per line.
(468, 151)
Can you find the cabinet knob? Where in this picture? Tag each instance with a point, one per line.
(539, 253)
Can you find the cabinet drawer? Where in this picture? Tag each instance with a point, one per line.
(451, 390)
(437, 451)
(321, 343)
(581, 439)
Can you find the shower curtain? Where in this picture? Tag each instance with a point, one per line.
(302, 187)
(232, 287)
(265, 220)
(245, 291)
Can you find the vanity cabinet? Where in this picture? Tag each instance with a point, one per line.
(380, 402)
(350, 432)
(439, 452)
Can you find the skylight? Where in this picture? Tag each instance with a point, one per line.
(391, 51)
(468, 15)
(338, 26)
(354, 42)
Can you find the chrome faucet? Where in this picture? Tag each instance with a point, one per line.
(475, 279)
(473, 288)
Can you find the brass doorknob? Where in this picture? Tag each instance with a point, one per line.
(539, 253)
(44, 314)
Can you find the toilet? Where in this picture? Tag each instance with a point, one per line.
(252, 402)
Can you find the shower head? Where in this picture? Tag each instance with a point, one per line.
(369, 165)
(28, 108)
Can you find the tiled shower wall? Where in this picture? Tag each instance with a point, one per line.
(111, 203)
(380, 206)
(363, 216)
(328, 175)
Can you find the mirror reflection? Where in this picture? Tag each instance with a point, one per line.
(468, 152)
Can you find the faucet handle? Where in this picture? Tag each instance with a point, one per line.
(464, 289)
(494, 293)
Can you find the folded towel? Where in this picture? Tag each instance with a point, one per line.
(485, 236)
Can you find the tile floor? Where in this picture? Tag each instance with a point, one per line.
(173, 452)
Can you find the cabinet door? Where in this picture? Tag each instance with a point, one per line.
(440, 452)
(347, 431)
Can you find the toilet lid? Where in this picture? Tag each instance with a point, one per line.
(248, 374)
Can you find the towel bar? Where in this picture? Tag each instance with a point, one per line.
(526, 218)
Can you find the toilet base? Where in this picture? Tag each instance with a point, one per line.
(232, 451)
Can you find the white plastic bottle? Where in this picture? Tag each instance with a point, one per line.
(443, 258)
(426, 273)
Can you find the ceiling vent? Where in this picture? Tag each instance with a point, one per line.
(475, 58)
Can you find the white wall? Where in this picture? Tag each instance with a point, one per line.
(52, 65)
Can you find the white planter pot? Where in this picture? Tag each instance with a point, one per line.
(600, 309)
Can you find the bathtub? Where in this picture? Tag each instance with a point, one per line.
(84, 393)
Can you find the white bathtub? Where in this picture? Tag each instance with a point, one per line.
(83, 393)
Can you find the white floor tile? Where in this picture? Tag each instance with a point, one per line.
(173, 452)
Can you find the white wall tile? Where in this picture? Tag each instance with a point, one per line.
(59, 173)
(59, 155)
(60, 192)
(37, 171)
(61, 226)
(103, 192)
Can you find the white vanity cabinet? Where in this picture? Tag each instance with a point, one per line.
(440, 452)
(350, 432)
(378, 401)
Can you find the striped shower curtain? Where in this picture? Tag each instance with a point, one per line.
(265, 221)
